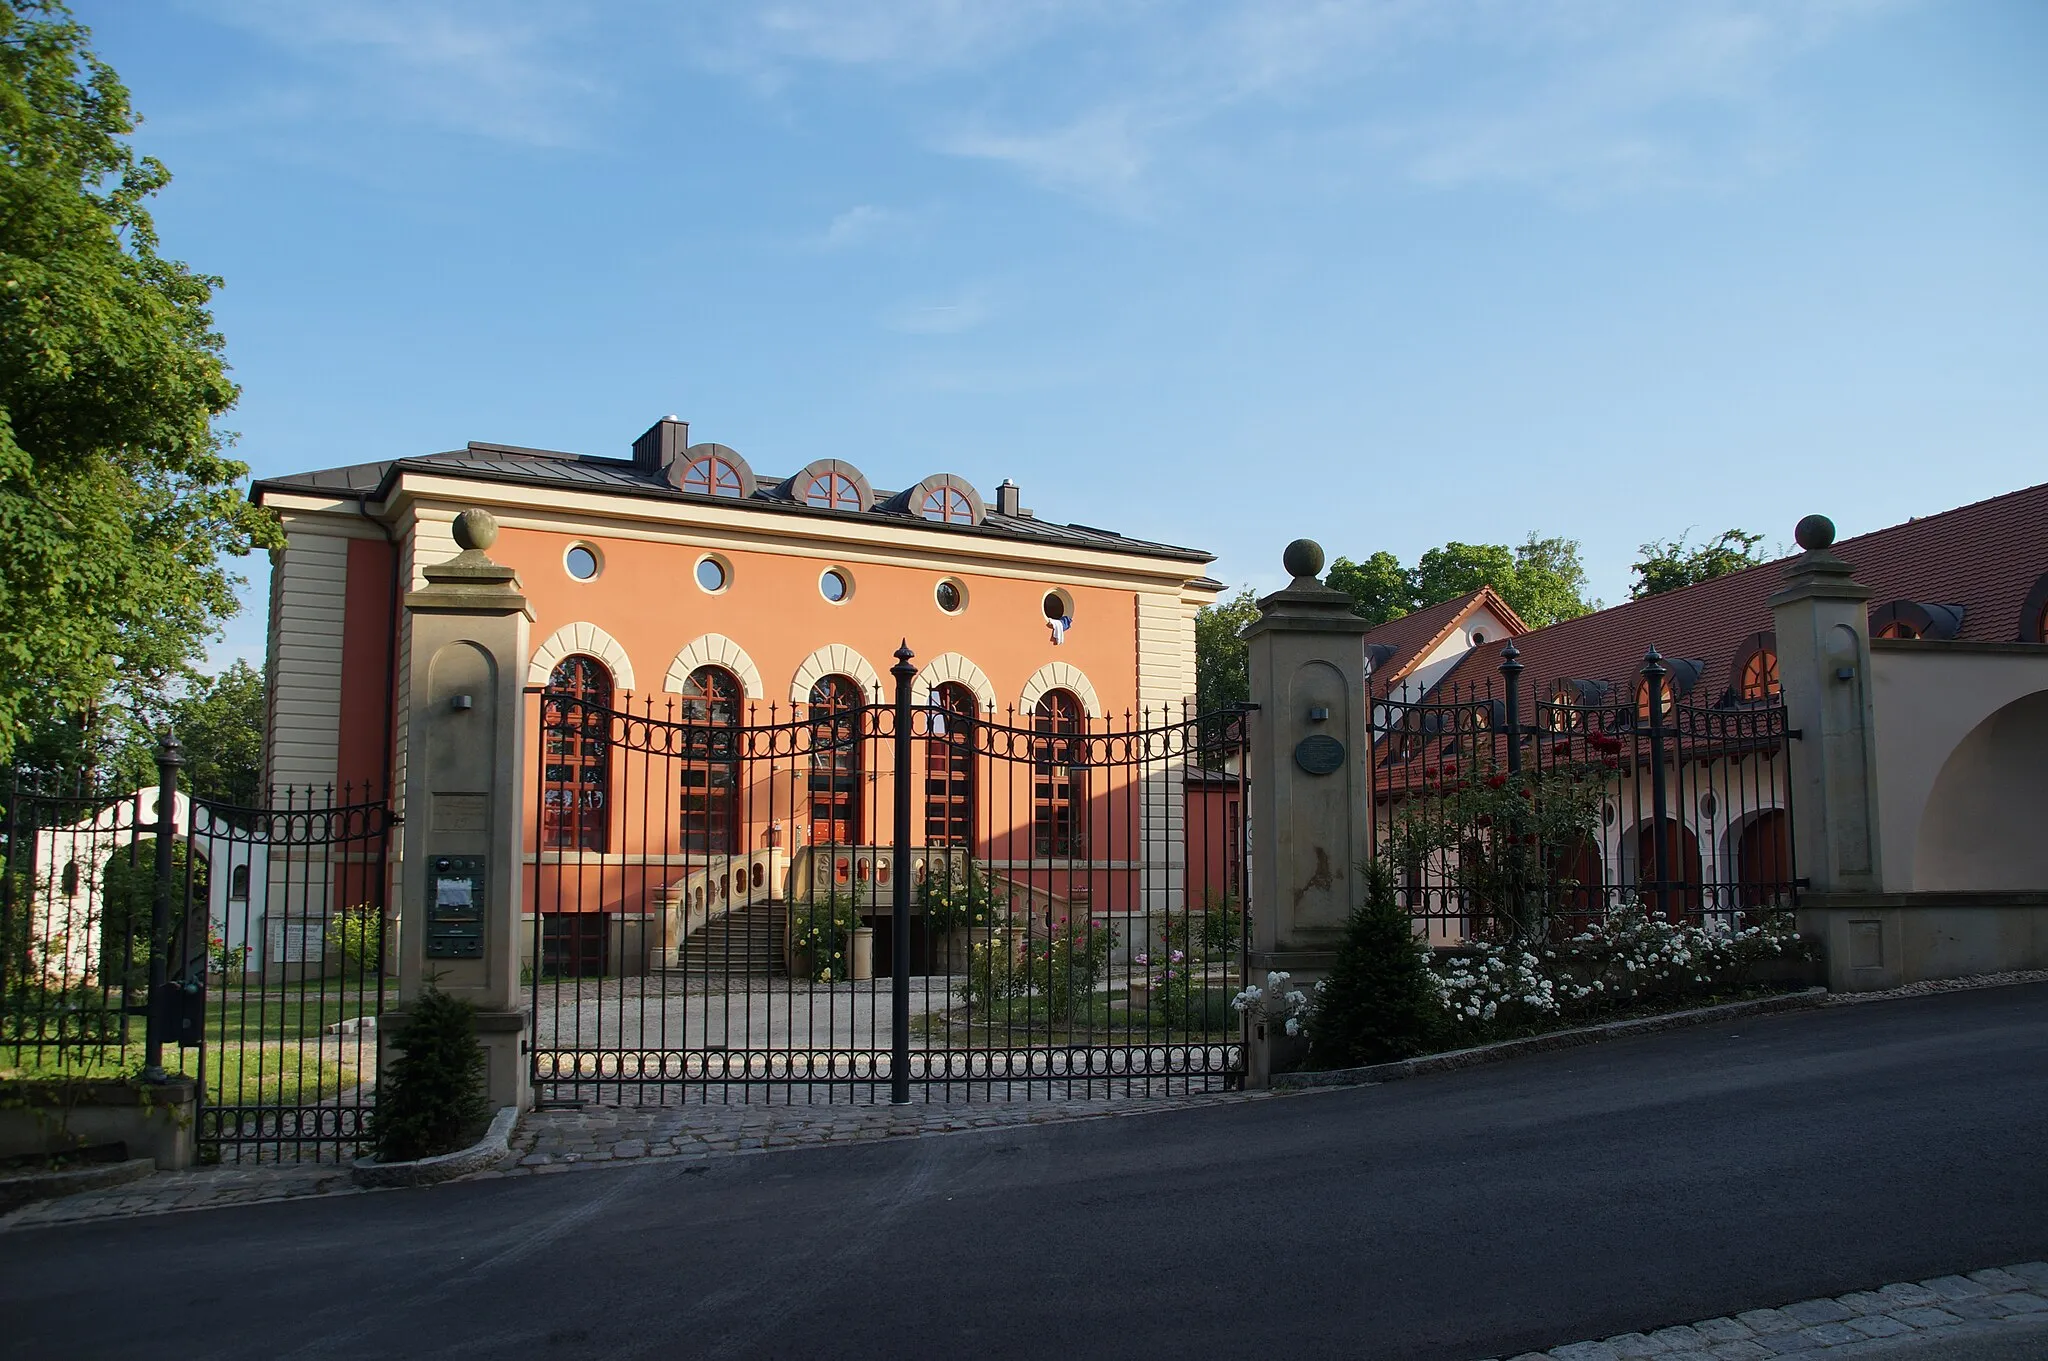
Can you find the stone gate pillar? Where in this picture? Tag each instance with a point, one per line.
(1311, 797)
(1822, 621)
(464, 818)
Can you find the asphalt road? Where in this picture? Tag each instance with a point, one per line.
(1564, 1196)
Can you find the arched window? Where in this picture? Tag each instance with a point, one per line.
(1643, 701)
(835, 762)
(1897, 628)
(949, 768)
(711, 475)
(710, 768)
(576, 779)
(832, 491)
(1759, 678)
(238, 883)
(68, 881)
(1059, 776)
(947, 505)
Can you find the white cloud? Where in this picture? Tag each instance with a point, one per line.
(861, 225)
(1121, 100)
(510, 70)
(943, 318)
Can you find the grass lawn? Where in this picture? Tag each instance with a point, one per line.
(1100, 1018)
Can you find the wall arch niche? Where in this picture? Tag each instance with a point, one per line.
(1981, 829)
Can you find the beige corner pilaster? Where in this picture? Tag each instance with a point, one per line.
(1311, 799)
(460, 878)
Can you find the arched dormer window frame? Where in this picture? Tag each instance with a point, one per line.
(1753, 673)
(2034, 613)
(1916, 619)
(715, 470)
(942, 498)
(830, 484)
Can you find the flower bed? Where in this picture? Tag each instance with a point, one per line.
(1628, 964)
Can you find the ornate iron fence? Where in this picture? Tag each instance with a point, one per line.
(1505, 811)
(860, 900)
(152, 934)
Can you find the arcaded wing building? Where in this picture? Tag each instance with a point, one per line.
(680, 582)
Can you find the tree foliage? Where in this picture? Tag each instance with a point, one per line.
(1668, 566)
(1543, 580)
(116, 497)
(1222, 677)
(108, 747)
(432, 1100)
(219, 723)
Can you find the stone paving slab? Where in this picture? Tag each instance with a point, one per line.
(1930, 1311)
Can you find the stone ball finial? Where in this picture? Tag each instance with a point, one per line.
(1815, 532)
(1303, 558)
(476, 528)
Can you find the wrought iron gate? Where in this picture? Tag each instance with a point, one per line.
(859, 900)
(1506, 807)
(242, 947)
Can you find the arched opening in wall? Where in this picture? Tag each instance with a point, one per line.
(1763, 861)
(238, 884)
(1059, 776)
(835, 792)
(1579, 881)
(1680, 895)
(576, 775)
(709, 771)
(1981, 826)
(949, 802)
(127, 910)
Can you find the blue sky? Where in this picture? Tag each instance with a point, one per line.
(1384, 274)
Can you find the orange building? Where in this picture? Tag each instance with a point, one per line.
(679, 585)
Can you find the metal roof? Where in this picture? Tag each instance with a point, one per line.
(584, 472)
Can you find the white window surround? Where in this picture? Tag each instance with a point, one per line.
(951, 666)
(586, 638)
(1058, 676)
(834, 659)
(715, 649)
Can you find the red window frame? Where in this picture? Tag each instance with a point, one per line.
(1059, 776)
(712, 476)
(576, 779)
(949, 784)
(832, 491)
(710, 770)
(947, 506)
(835, 783)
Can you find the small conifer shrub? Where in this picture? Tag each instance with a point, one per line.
(1379, 1002)
(431, 1101)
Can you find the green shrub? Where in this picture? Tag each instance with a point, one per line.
(431, 1101)
(951, 902)
(1379, 1002)
(1222, 926)
(994, 974)
(1065, 965)
(822, 932)
(356, 936)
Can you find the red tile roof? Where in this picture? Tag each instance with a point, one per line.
(1985, 557)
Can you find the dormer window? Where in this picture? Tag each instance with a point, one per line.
(1755, 668)
(832, 491)
(711, 476)
(2034, 613)
(1643, 701)
(1913, 619)
(946, 506)
(1759, 679)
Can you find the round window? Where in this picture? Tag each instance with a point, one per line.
(712, 575)
(1057, 606)
(835, 585)
(952, 599)
(581, 562)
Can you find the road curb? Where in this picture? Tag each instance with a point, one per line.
(1809, 999)
(487, 1152)
(19, 1189)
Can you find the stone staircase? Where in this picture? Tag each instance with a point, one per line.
(746, 941)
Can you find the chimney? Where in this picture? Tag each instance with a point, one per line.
(1007, 496)
(659, 447)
